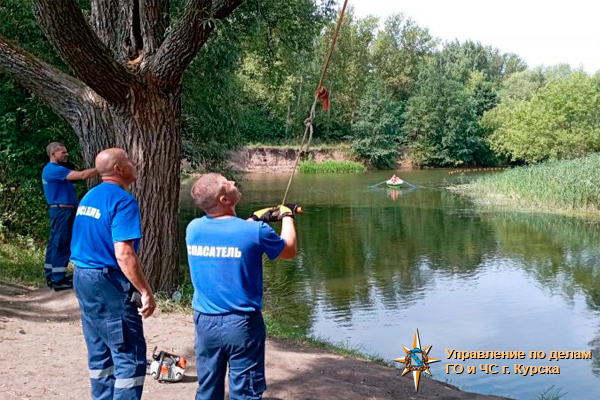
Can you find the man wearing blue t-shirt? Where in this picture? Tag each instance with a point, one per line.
(60, 196)
(107, 278)
(225, 258)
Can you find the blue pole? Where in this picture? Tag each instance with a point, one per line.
(377, 184)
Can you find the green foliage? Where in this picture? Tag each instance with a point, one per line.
(19, 24)
(560, 185)
(277, 72)
(442, 124)
(330, 166)
(457, 86)
(377, 132)
(211, 115)
(347, 77)
(457, 61)
(522, 85)
(560, 120)
(398, 53)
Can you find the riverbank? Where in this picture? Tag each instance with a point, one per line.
(274, 159)
(42, 365)
(560, 187)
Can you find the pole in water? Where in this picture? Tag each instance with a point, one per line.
(408, 183)
(377, 184)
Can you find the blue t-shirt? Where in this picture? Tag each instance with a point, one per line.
(57, 189)
(106, 214)
(225, 257)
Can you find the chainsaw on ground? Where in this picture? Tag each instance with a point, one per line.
(167, 367)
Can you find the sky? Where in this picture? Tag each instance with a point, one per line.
(542, 32)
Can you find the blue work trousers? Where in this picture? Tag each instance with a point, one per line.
(113, 333)
(58, 249)
(237, 339)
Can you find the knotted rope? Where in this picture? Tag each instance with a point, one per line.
(320, 94)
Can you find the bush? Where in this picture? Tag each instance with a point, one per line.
(558, 121)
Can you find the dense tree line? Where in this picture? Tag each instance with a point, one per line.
(396, 91)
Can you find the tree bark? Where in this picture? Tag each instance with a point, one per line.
(155, 21)
(114, 22)
(152, 138)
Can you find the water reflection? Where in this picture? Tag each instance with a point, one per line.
(374, 263)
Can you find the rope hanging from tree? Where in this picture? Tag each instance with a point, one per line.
(322, 95)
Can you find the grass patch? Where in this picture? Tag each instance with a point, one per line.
(22, 262)
(557, 186)
(330, 166)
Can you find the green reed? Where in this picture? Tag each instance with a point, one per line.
(567, 185)
(330, 166)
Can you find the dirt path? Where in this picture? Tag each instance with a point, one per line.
(43, 356)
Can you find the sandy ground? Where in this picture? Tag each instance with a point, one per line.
(43, 356)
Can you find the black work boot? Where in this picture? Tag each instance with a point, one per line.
(65, 284)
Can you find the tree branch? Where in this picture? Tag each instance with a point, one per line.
(59, 90)
(154, 15)
(64, 24)
(187, 37)
(117, 26)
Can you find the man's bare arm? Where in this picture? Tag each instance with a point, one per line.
(79, 175)
(130, 265)
(288, 234)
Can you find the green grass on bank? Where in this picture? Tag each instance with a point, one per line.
(557, 186)
(22, 262)
(330, 166)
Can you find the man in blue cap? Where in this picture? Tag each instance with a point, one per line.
(61, 198)
(108, 278)
(225, 256)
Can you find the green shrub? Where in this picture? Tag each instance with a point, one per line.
(558, 121)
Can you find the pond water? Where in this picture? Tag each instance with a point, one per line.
(375, 264)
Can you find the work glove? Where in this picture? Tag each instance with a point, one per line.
(277, 213)
(284, 211)
(294, 208)
(264, 215)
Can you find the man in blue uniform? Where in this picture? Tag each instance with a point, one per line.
(225, 257)
(107, 278)
(60, 196)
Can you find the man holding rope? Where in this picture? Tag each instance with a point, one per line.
(225, 257)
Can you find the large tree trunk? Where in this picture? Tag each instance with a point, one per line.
(149, 129)
(153, 140)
